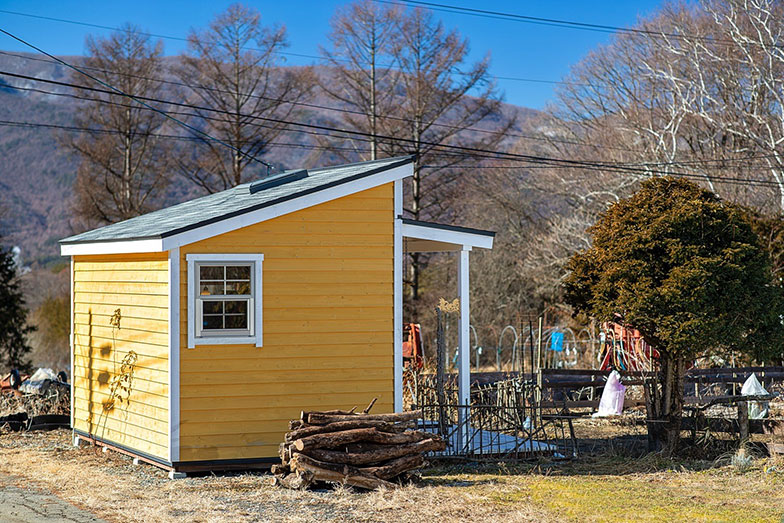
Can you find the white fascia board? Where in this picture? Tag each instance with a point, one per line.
(118, 247)
(297, 204)
(460, 238)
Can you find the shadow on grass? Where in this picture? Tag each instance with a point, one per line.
(614, 456)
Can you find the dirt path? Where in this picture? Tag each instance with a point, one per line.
(29, 505)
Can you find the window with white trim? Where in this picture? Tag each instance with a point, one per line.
(224, 299)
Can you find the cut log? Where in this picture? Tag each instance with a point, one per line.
(280, 469)
(303, 463)
(376, 456)
(388, 471)
(305, 414)
(367, 409)
(331, 440)
(296, 424)
(396, 467)
(318, 418)
(284, 451)
(344, 425)
(299, 480)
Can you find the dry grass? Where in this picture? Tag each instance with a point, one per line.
(610, 487)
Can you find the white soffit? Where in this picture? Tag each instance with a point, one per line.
(420, 238)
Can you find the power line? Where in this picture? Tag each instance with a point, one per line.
(317, 106)
(475, 152)
(285, 53)
(335, 109)
(554, 22)
(89, 130)
(138, 100)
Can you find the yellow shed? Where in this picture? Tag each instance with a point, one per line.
(200, 329)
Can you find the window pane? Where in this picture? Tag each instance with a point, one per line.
(237, 272)
(212, 322)
(210, 289)
(236, 321)
(211, 272)
(237, 287)
(212, 307)
(236, 307)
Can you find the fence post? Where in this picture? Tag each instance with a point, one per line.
(743, 421)
(538, 394)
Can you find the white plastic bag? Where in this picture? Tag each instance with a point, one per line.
(752, 387)
(611, 403)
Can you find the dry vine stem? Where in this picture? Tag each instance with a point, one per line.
(358, 449)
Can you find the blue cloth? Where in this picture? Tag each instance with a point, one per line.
(556, 341)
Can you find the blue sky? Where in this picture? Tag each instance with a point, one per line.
(517, 49)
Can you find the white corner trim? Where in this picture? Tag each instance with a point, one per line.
(297, 204)
(257, 338)
(72, 342)
(460, 238)
(174, 355)
(398, 298)
(119, 247)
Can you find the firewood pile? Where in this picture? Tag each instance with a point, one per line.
(358, 449)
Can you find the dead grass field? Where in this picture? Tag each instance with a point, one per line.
(610, 485)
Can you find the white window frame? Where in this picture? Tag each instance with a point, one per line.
(255, 304)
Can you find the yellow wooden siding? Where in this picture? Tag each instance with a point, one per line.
(327, 328)
(137, 284)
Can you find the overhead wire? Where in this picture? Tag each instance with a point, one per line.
(137, 99)
(89, 130)
(554, 22)
(247, 48)
(475, 152)
(330, 108)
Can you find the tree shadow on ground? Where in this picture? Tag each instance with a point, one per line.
(612, 456)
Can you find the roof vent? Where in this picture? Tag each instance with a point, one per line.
(278, 180)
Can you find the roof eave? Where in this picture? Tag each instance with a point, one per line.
(232, 221)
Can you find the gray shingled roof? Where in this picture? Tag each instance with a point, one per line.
(227, 204)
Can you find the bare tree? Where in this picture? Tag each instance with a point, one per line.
(445, 99)
(365, 39)
(233, 71)
(122, 163)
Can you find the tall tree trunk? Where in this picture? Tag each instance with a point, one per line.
(126, 180)
(664, 401)
(373, 126)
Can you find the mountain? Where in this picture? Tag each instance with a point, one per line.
(37, 174)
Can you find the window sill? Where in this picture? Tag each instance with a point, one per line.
(226, 340)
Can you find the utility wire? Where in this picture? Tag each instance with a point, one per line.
(554, 22)
(329, 108)
(138, 99)
(91, 130)
(360, 113)
(285, 53)
(475, 152)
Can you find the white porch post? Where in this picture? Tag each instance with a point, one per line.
(464, 341)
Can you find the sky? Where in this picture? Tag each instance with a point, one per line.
(518, 50)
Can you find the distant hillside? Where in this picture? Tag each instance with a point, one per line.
(37, 174)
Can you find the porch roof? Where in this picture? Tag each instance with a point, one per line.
(419, 236)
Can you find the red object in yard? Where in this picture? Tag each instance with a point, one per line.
(626, 350)
(7, 386)
(413, 355)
